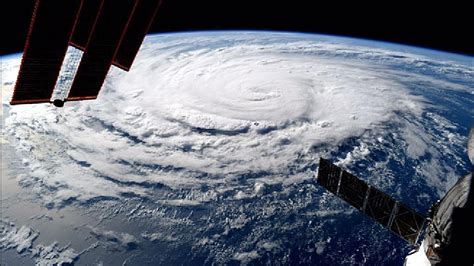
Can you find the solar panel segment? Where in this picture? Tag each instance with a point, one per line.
(328, 175)
(407, 224)
(379, 206)
(140, 22)
(85, 23)
(101, 49)
(352, 190)
(47, 41)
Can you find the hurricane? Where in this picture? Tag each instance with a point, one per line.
(216, 138)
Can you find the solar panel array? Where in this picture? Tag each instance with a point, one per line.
(47, 41)
(108, 32)
(388, 212)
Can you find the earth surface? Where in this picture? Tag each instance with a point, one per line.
(206, 152)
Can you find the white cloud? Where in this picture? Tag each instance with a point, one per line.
(53, 254)
(20, 239)
(246, 257)
(200, 111)
(158, 236)
(114, 240)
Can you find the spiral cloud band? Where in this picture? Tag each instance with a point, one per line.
(197, 111)
(207, 149)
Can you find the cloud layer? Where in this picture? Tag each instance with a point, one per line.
(201, 110)
(207, 120)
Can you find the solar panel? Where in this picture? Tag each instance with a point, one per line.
(407, 224)
(401, 220)
(353, 190)
(328, 175)
(47, 41)
(101, 49)
(137, 28)
(82, 31)
(379, 206)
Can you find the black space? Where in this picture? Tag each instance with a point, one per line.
(436, 25)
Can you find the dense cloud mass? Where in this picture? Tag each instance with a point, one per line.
(213, 120)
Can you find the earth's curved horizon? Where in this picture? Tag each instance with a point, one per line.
(206, 151)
